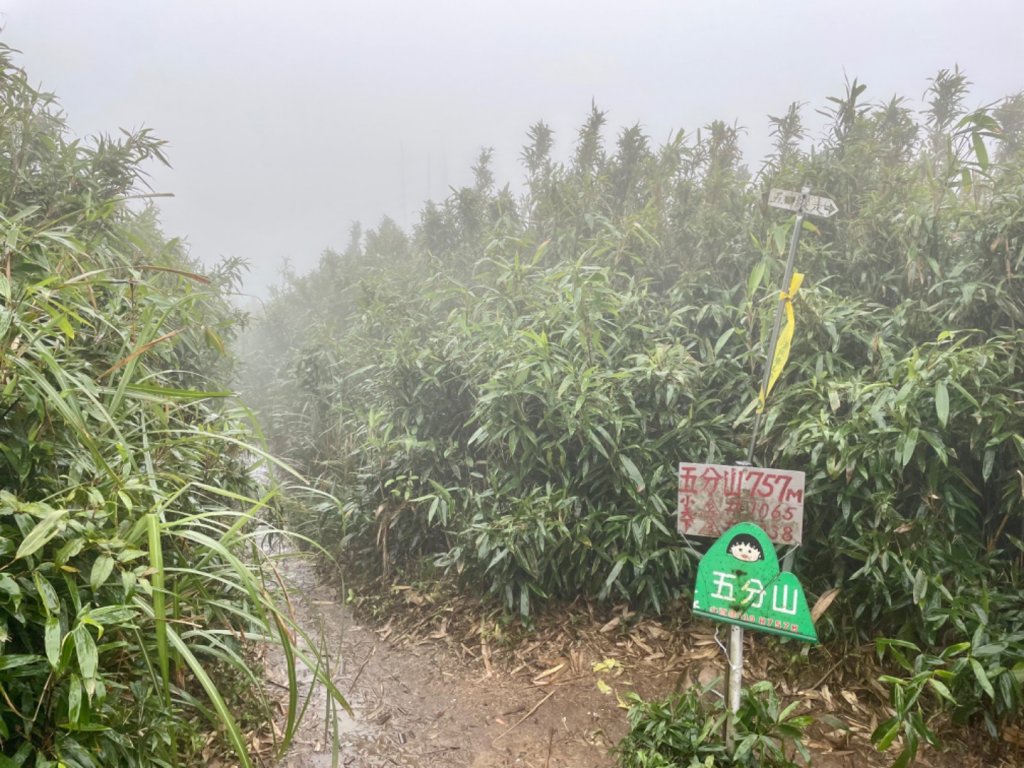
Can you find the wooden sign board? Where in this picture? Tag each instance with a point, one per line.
(715, 497)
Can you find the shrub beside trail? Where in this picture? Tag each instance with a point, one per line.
(503, 392)
(129, 583)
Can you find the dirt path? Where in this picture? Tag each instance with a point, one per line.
(434, 702)
(437, 692)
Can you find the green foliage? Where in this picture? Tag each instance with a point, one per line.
(687, 729)
(982, 674)
(125, 500)
(506, 391)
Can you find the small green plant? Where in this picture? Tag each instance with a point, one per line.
(968, 680)
(926, 672)
(687, 730)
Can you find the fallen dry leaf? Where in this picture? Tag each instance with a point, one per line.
(826, 694)
(548, 672)
(823, 602)
(1013, 735)
(607, 665)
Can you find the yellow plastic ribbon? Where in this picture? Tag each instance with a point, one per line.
(785, 339)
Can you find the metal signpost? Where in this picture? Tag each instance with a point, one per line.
(739, 582)
(805, 204)
(736, 576)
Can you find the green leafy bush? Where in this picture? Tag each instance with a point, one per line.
(687, 730)
(130, 583)
(505, 391)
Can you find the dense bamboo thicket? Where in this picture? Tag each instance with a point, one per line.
(125, 498)
(504, 392)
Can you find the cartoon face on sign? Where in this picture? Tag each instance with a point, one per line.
(739, 582)
(745, 547)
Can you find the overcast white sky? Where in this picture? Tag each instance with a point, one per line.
(287, 121)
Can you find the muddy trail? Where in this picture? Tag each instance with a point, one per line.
(433, 686)
(422, 696)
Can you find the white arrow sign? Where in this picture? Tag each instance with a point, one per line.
(812, 205)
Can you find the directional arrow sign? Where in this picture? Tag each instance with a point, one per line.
(812, 205)
(823, 207)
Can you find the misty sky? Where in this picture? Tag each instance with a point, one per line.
(287, 121)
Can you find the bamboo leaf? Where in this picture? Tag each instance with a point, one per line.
(181, 272)
(75, 700)
(52, 640)
(156, 562)
(102, 567)
(942, 402)
(982, 678)
(231, 728)
(18, 660)
(632, 471)
(161, 394)
(988, 462)
(612, 576)
(920, 586)
(941, 689)
(85, 650)
(980, 151)
(50, 525)
(909, 445)
(756, 276)
(291, 713)
(140, 351)
(47, 594)
(885, 734)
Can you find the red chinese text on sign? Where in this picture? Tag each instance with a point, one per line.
(714, 497)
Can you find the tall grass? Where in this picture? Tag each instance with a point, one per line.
(131, 595)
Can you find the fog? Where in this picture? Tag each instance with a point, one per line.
(286, 122)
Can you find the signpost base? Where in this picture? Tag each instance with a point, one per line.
(739, 582)
(734, 684)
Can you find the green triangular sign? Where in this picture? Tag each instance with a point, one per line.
(739, 582)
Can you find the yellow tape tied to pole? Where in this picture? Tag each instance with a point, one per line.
(785, 339)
